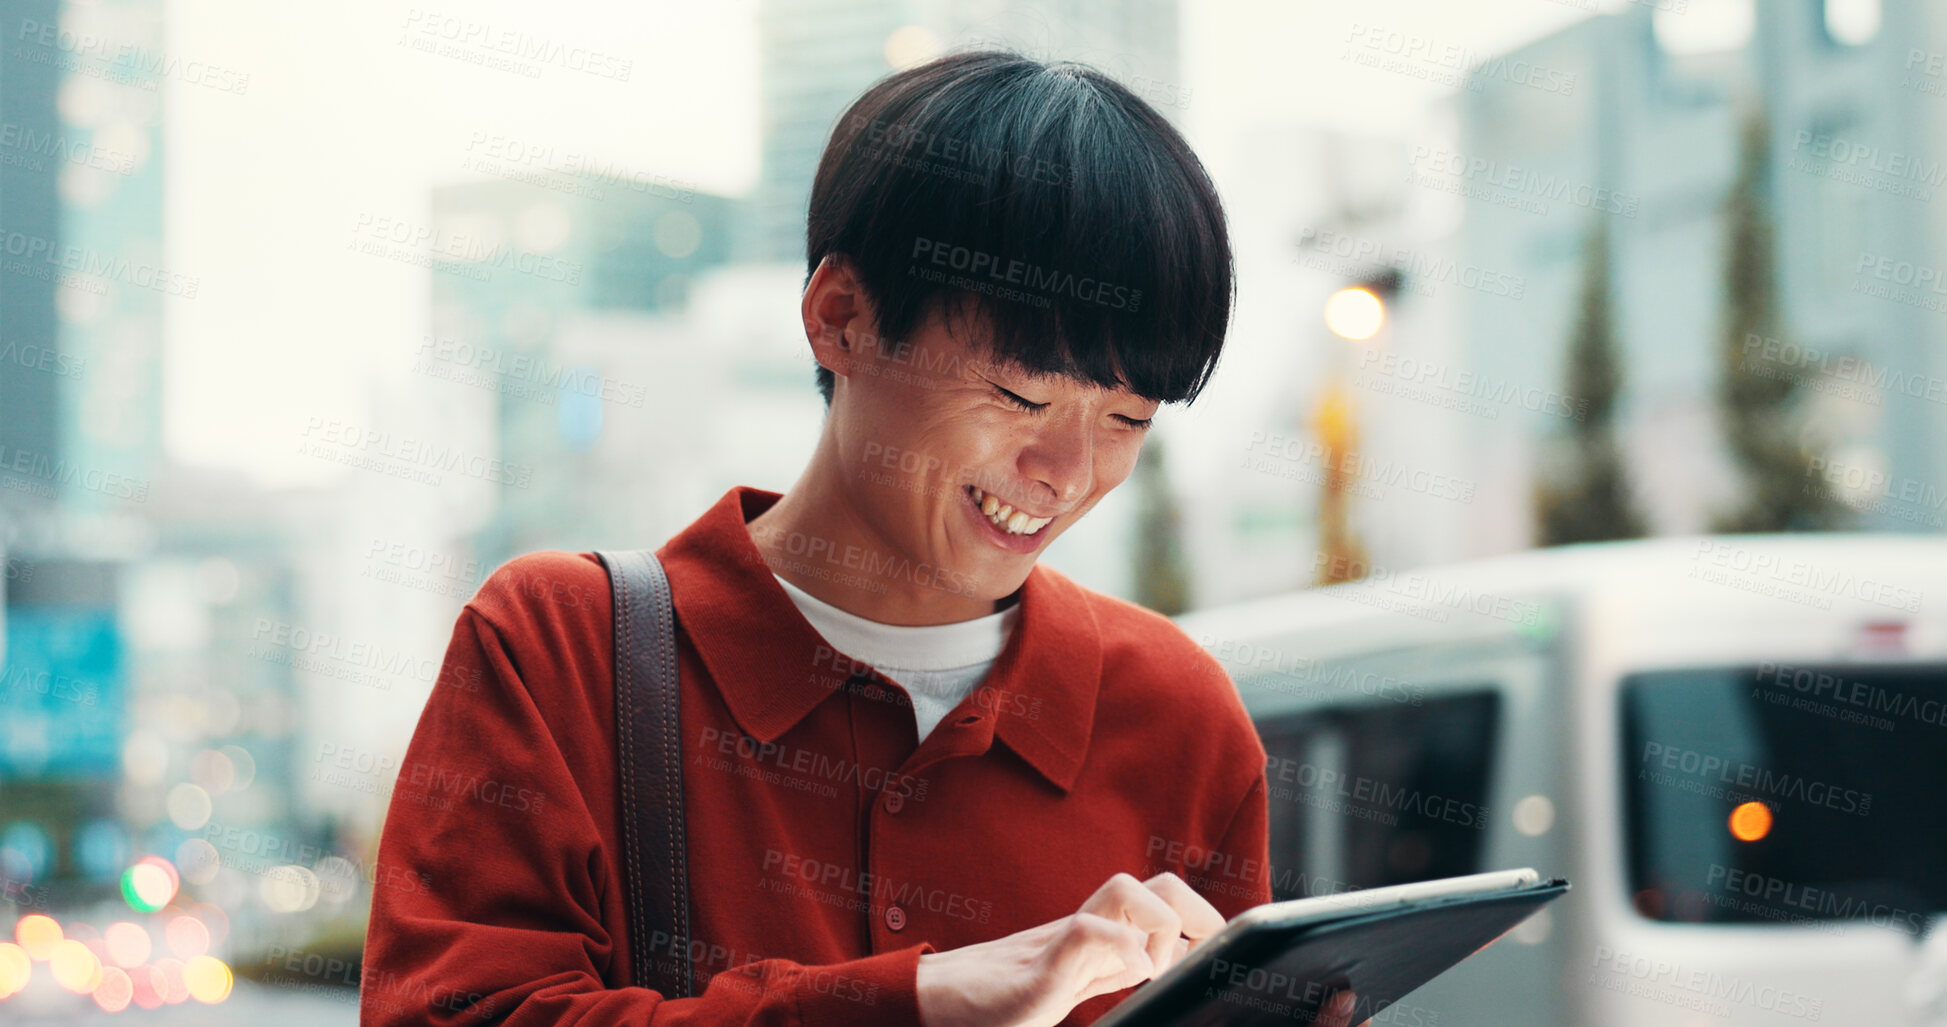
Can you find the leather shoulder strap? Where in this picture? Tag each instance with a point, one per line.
(649, 744)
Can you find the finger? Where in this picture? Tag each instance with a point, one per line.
(1200, 918)
(1337, 1012)
(1092, 955)
(1124, 899)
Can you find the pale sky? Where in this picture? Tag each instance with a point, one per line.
(340, 121)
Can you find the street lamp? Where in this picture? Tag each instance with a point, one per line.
(1358, 311)
(1355, 313)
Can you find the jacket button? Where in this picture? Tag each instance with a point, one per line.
(895, 918)
(894, 801)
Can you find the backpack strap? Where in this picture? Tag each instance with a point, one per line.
(649, 746)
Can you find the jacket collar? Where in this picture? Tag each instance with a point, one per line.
(773, 667)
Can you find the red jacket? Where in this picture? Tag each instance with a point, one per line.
(826, 850)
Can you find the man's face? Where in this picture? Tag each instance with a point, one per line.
(954, 470)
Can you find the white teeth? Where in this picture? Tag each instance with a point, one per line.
(1006, 517)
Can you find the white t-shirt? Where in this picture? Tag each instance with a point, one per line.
(937, 664)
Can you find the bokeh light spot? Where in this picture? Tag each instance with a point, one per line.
(115, 990)
(242, 764)
(1354, 314)
(37, 935)
(75, 967)
(128, 943)
(189, 806)
(16, 968)
(1750, 821)
(290, 889)
(173, 988)
(149, 986)
(188, 938)
(211, 768)
(198, 860)
(149, 884)
(208, 979)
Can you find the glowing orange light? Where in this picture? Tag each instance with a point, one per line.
(37, 934)
(1750, 821)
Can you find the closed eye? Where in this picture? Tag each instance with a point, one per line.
(1141, 424)
(1018, 401)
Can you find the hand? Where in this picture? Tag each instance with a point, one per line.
(1126, 933)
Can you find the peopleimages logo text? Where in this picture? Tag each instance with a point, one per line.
(1028, 276)
(1738, 780)
(1522, 182)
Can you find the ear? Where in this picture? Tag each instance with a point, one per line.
(839, 320)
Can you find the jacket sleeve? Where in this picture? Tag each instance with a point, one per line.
(1247, 844)
(491, 878)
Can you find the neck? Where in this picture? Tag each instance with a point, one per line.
(817, 516)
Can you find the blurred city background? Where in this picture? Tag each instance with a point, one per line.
(310, 317)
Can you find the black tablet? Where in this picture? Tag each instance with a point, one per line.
(1280, 962)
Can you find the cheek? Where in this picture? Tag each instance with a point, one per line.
(966, 444)
(1115, 461)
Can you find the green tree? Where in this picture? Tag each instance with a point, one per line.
(1162, 582)
(1586, 496)
(1756, 399)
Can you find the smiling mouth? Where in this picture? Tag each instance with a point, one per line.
(1003, 516)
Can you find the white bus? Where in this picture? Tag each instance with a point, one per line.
(1735, 747)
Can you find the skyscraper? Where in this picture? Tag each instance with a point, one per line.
(1634, 119)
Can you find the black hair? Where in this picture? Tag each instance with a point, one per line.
(1045, 195)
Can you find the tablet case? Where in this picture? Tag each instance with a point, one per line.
(1284, 975)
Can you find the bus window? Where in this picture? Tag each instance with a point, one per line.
(1379, 794)
(1787, 794)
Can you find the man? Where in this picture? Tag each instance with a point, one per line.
(926, 780)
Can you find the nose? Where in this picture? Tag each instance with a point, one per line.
(1060, 458)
